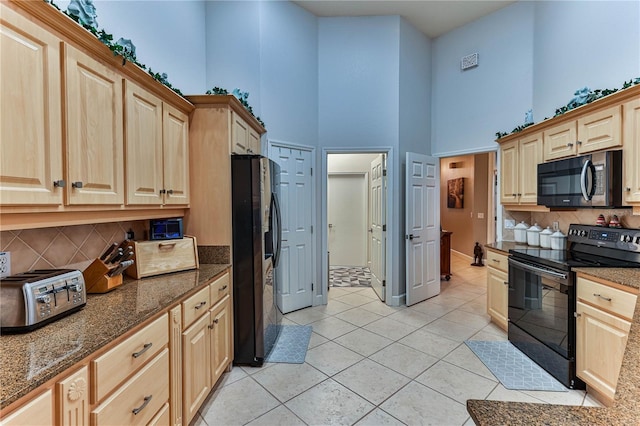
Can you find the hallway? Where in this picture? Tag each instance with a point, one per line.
(372, 364)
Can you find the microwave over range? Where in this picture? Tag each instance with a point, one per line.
(593, 180)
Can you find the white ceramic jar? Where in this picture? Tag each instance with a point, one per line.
(520, 232)
(558, 241)
(533, 235)
(545, 238)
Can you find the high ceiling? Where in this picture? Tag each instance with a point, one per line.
(433, 18)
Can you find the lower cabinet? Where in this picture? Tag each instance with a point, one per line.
(72, 399)
(497, 288)
(38, 411)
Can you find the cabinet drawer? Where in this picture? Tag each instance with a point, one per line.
(145, 394)
(497, 260)
(608, 298)
(219, 288)
(110, 369)
(195, 306)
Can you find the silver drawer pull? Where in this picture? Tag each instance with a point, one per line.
(496, 260)
(224, 287)
(144, 404)
(200, 305)
(505, 282)
(608, 299)
(143, 350)
(166, 245)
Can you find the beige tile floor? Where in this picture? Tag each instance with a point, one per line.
(372, 364)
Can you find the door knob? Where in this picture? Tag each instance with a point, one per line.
(411, 236)
(370, 229)
(330, 225)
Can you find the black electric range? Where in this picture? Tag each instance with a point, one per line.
(542, 294)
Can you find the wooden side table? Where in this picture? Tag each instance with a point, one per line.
(445, 254)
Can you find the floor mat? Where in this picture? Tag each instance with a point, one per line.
(291, 345)
(514, 369)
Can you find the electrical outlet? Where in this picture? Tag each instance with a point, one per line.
(509, 223)
(480, 215)
(5, 264)
(556, 226)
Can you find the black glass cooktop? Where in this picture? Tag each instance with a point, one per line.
(567, 259)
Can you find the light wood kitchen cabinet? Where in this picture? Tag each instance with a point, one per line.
(72, 399)
(175, 367)
(31, 131)
(220, 338)
(244, 139)
(602, 328)
(519, 170)
(211, 139)
(37, 412)
(94, 130)
(175, 148)
(596, 131)
(497, 288)
(631, 153)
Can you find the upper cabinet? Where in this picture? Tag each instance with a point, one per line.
(631, 154)
(157, 150)
(519, 170)
(94, 120)
(596, 131)
(244, 139)
(31, 145)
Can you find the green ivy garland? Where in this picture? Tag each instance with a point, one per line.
(118, 50)
(241, 96)
(591, 96)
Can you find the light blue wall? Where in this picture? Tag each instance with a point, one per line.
(289, 72)
(584, 43)
(469, 107)
(163, 42)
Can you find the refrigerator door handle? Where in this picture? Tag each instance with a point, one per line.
(276, 213)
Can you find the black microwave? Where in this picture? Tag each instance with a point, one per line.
(593, 180)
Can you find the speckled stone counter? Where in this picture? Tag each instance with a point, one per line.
(625, 276)
(624, 411)
(505, 246)
(29, 360)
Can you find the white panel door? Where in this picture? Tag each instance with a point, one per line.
(296, 199)
(347, 219)
(378, 231)
(422, 227)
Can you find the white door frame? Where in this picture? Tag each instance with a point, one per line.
(321, 290)
(271, 144)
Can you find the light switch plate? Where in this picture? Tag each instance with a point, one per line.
(509, 223)
(5, 264)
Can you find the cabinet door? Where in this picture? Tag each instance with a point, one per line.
(560, 141)
(631, 155)
(530, 154)
(143, 146)
(31, 131)
(600, 130)
(239, 135)
(93, 102)
(175, 366)
(601, 339)
(38, 411)
(175, 125)
(72, 399)
(196, 367)
(254, 142)
(220, 339)
(509, 173)
(497, 296)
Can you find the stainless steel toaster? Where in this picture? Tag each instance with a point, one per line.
(34, 298)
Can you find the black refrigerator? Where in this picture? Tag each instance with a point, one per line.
(257, 241)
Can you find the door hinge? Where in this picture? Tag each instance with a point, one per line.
(312, 229)
(384, 172)
(384, 283)
(311, 171)
(311, 286)
(384, 228)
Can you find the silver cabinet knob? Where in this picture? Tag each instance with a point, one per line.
(59, 183)
(77, 185)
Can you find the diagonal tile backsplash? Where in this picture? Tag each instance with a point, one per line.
(58, 247)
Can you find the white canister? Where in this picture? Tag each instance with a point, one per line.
(533, 235)
(558, 241)
(520, 232)
(545, 238)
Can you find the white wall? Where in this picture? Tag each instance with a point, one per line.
(163, 42)
(469, 107)
(582, 43)
(345, 163)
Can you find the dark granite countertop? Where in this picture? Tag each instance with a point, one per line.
(624, 411)
(31, 359)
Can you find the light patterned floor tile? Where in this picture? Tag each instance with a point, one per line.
(284, 381)
(456, 382)
(379, 418)
(464, 357)
(280, 416)
(331, 358)
(380, 308)
(316, 340)
(451, 330)
(500, 393)
(332, 308)
(468, 319)
(405, 360)
(413, 317)
(332, 327)
(390, 328)
(363, 341)
(306, 316)
(358, 316)
(356, 299)
(429, 343)
(370, 380)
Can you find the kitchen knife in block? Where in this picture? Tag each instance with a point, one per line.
(96, 279)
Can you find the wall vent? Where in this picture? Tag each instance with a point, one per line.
(469, 61)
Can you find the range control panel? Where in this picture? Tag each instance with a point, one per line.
(618, 238)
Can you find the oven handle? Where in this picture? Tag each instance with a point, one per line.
(532, 268)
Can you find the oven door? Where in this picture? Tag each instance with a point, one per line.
(540, 302)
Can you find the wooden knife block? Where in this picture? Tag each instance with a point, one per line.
(96, 279)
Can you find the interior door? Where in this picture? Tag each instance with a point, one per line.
(422, 227)
(377, 234)
(296, 256)
(347, 218)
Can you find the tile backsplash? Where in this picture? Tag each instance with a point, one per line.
(566, 218)
(63, 246)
